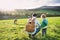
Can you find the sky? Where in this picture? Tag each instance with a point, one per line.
(26, 4)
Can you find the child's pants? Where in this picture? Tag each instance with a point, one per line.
(44, 31)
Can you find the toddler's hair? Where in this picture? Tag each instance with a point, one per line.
(43, 16)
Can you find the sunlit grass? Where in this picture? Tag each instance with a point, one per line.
(11, 31)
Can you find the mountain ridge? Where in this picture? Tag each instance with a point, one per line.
(47, 7)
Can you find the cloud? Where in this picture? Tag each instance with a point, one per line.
(26, 4)
(53, 3)
(56, 1)
(21, 4)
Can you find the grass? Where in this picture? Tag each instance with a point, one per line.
(11, 31)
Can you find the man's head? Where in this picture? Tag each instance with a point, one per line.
(34, 15)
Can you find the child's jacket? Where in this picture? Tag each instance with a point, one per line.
(44, 23)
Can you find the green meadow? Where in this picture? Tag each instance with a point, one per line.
(11, 31)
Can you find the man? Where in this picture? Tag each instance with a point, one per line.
(37, 29)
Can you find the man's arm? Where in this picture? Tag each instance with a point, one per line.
(38, 23)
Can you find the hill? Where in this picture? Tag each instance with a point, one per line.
(24, 13)
(57, 8)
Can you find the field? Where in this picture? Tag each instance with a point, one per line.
(11, 31)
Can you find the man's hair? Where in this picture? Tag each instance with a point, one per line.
(34, 15)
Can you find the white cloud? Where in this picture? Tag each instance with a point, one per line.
(54, 4)
(22, 4)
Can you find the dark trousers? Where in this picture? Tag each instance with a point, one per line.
(37, 30)
(44, 31)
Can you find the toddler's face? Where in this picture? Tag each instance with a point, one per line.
(41, 17)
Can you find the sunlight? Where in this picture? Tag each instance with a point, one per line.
(21, 4)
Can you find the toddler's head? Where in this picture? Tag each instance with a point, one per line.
(43, 16)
